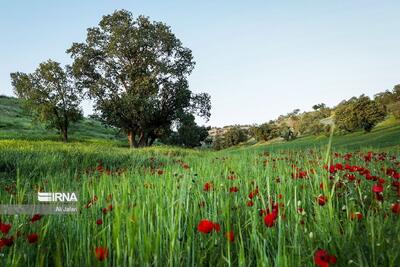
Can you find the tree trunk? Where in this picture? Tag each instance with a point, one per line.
(132, 140)
(143, 139)
(65, 135)
(151, 140)
(65, 127)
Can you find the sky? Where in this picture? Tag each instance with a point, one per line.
(257, 59)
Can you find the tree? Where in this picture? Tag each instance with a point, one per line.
(218, 143)
(319, 106)
(136, 71)
(50, 94)
(359, 113)
(265, 131)
(287, 132)
(234, 136)
(188, 133)
(390, 100)
(310, 122)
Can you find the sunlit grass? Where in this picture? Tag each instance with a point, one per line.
(157, 204)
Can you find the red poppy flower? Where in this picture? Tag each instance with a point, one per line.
(205, 226)
(104, 210)
(269, 219)
(230, 236)
(110, 207)
(250, 203)
(101, 253)
(5, 228)
(339, 166)
(323, 259)
(322, 200)
(185, 166)
(396, 208)
(377, 188)
(99, 168)
(217, 227)
(35, 218)
(233, 189)
(6, 242)
(207, 187)
(253, 193)
(368, 157)
(356, 215)
(99, 222)
(32, 238)
(351, 177)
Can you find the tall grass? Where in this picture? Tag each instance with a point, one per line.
(157, 202)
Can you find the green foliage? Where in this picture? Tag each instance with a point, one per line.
(390, 100)
(271, 130)
(310, 122)
(188, 133)
(287, 133)
(265, 132)
(358, 113)
(50, 95)
(136, 71)
(218, 143)
(394, 108)
(234, 136)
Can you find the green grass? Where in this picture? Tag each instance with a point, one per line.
(384, 135)
(158, 203)
(16, 123)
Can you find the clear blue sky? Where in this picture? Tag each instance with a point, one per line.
(257, 59)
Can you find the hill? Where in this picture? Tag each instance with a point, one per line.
(16, 123)
(384, 135)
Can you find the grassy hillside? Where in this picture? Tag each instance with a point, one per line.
(16, 123)
(384, 135)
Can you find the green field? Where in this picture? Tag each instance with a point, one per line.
(278, 200)
(16, 123)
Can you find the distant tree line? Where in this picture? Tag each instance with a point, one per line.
(356, 113)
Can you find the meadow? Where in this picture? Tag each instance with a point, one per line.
(285, 204)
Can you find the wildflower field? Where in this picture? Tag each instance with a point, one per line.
(257, 206)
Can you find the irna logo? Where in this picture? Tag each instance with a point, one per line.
(57, 197)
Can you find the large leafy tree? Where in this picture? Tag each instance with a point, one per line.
(50, 94)
(136, 71)
(358, 113)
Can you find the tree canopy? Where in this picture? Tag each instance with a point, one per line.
(50, 94)
(188, 133)
(136, 71)
(358, 113)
